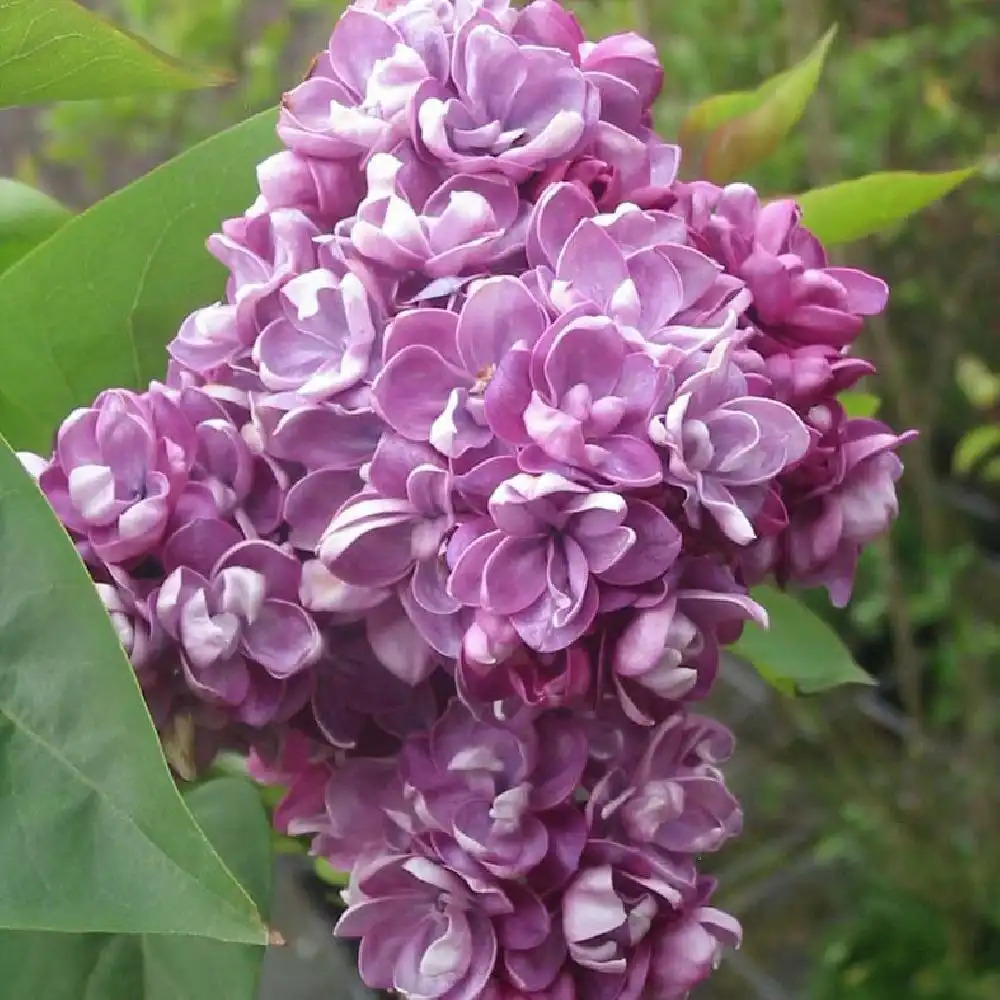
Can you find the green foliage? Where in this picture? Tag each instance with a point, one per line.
(851, 210)
(56, 50)
(96, 304)
(754, 125)
(27, 217)
(136, 967)
(93, 833)
(859, 404)
(798, 652)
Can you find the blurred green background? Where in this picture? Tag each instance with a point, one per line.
(870, 865)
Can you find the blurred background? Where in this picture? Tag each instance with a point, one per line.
(870, 864)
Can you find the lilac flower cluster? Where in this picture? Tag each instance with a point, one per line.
(447, 509)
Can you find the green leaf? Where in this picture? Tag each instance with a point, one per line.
(799, 652)
(94, 305)
(974, 447)
(756, 128)
(93, 833)
(720, 108)
(859, 404)
(27, 217)
(854, 209)
(133, 967)
(56, 50)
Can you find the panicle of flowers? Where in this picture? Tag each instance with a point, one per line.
(447, 509)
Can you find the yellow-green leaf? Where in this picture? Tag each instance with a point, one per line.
(859, 404)
(57, 50)
(752, 134)
(851, 210)
(974, 447)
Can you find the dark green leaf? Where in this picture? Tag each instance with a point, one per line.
(57, 50)
(93, 834)
(854, 209)
(131, 967)
(757, 127)
(27, 217)
(859, 404)
(799, 652)
(94, 306)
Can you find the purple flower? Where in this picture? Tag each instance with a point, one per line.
(673, 797)
(688, 950)
(670, 645)
(649, 282)
(585, 393)
(244, 637)
(326, 191)
(358, 704)
(840, 499)
(392, 535)
(324, 342)
(118, 470)
(797, 298)
(356, 98)
(609, 913)
(502, 791)
(425, 929)
(412, 219)
(723, 444)
(522, 676)
(437, 382)
(550, 547)
(516, 108)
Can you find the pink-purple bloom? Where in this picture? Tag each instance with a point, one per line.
(448, 508)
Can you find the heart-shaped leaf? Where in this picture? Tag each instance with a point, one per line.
(854, 209)
(94, 305)
(93, 833)
(799, 651)
(27, 217)
(134, 967)
(56, 50)
(751, 129)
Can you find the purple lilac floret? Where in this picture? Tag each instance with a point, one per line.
(447, 509)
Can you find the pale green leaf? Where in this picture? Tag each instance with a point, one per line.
(799, 651)
(57, 50)
(27, 216)
(94, 305)
(749, 137)
(851, 210)
(859, 404)
(974, 447)
(93, 834)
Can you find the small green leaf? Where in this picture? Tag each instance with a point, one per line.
(93, 834)
(133, 967)
(27, 217)
(859, 404)
(799, 652)
(57, 50)
(854, 209)
(974, 447)
(978, 384)
(95, 304)
(750, 136)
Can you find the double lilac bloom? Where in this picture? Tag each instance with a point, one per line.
(447, 509)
